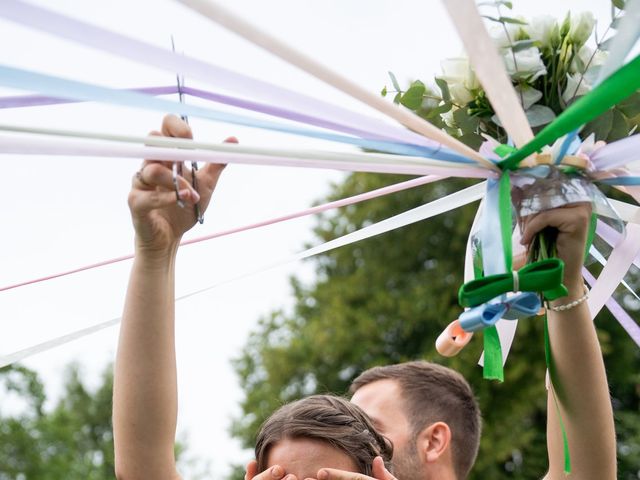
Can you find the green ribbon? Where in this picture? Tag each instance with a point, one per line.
(543, 276)
(614, 89)
(552, 376)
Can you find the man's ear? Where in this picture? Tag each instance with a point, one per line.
(434, 442)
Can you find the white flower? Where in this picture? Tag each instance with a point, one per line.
(575, 87)
(500, 37)
(460, 78)
(527, 65)
(543, 29)
(584, 56)
(581, 28)
(447, 117)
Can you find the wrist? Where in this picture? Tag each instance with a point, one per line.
(156, 257)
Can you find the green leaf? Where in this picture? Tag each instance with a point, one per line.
(601, 126)
(472, 140)
(439, 110)
(383, 92)
(630, 106)
(394, 81)
(522, 45)
(496, 3)
(619, 127)
(512, 20)
(397, 98)
(539, 115)
(412, 98)
(618, 4)
(444, 89)
(467, 123)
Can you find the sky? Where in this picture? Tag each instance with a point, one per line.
(58, 213)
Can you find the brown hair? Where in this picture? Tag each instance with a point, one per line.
(330, 419)
(434, 393)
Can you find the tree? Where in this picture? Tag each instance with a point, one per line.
(74, 441)
(385, 300)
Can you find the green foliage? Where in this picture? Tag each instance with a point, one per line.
(73, 441)
(385, 300)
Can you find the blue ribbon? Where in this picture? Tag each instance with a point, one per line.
(621, 181)
(520, 305)
(72, 89)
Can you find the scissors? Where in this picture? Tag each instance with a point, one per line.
(177, 166)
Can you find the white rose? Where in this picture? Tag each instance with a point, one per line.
(585, 55)
(460, 78)
(581, 28)
(448, 118)
(575, 87)
(527, 65)
(499, 34)
(543, 29)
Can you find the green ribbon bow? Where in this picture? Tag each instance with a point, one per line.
(543, 276)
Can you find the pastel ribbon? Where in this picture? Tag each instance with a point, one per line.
(55, 86)
(88, 35)
(441, 205)
(520, 305)
(543, 276)
(262, 39)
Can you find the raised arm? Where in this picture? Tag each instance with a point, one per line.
(145, 386)
(579, 375)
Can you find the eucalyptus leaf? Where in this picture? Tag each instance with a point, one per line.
(606, 45)
(444, 89)
(522, 45)
(439, 110)
(394, 81)
(397, 98)
(412, 98)
(512, 20)
(472, 140)
(600, 126)
(618, 4)
(496, 3)
(619, 127)
(383, 92)
(631, 105)
(464, 121)
(539, 115)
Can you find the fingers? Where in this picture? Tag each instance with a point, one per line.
(569, 219)
(173, 126)
(155, 174)
(276, 472)
(380, 472)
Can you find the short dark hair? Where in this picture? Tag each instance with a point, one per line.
(329, 419)
(434, 393)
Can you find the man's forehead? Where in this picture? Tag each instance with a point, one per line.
(378, 395)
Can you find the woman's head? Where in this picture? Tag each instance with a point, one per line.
(325, 428)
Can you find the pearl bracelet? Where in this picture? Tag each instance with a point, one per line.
(570, 305)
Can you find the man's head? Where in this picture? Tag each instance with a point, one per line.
(320, 431)
(428, 411)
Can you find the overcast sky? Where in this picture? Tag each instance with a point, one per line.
(60, 213)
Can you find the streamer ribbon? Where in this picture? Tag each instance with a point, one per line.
(520, 305)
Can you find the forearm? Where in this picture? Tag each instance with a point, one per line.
(580, 383)
(145, 384)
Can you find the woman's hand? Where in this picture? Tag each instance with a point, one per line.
(158, 220)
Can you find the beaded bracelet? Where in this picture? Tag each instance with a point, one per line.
(570, 305)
